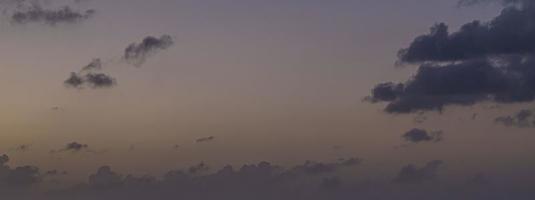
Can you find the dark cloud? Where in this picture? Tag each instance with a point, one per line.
(205, 139)
(523, 119)
(481, 62)
(137, 53)
(37, 14)
(74, 80)
(510, 33)
(90, 78)
(411, 174)
(420, 135)
(100, 80)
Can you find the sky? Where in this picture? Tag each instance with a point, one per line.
(340, 99)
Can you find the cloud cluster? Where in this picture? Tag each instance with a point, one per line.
(137, 53)
(523, 119)
(420, 135)
(88, 76)
(483, 61)
(262, 181)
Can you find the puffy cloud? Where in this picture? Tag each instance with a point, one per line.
(420, 135)
(37, 14)
(411, 174)
(137, 53)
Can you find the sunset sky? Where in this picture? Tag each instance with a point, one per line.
(149, 87)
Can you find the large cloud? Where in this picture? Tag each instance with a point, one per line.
(491, 61)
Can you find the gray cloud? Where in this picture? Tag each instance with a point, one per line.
(37, 14)
(420, 135)
(137, 53)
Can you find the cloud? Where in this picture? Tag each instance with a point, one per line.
(411, 174)
(420, 135)
(75, 80)
(205, 139)
(481, 62)
(95, 64)
(199, 168)
(88, 76)
(137, 53)
(22, 148)
(105, 178)
(463, 3)
(92, 80)
(523, 119)
(100, 80)
(74, 147)
(19, 177)
(37, 14)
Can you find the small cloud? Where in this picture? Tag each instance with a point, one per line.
(205, 139)
(95, 64)
(73, 147)
(137, 53)
(420, 135)
(37, 14)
